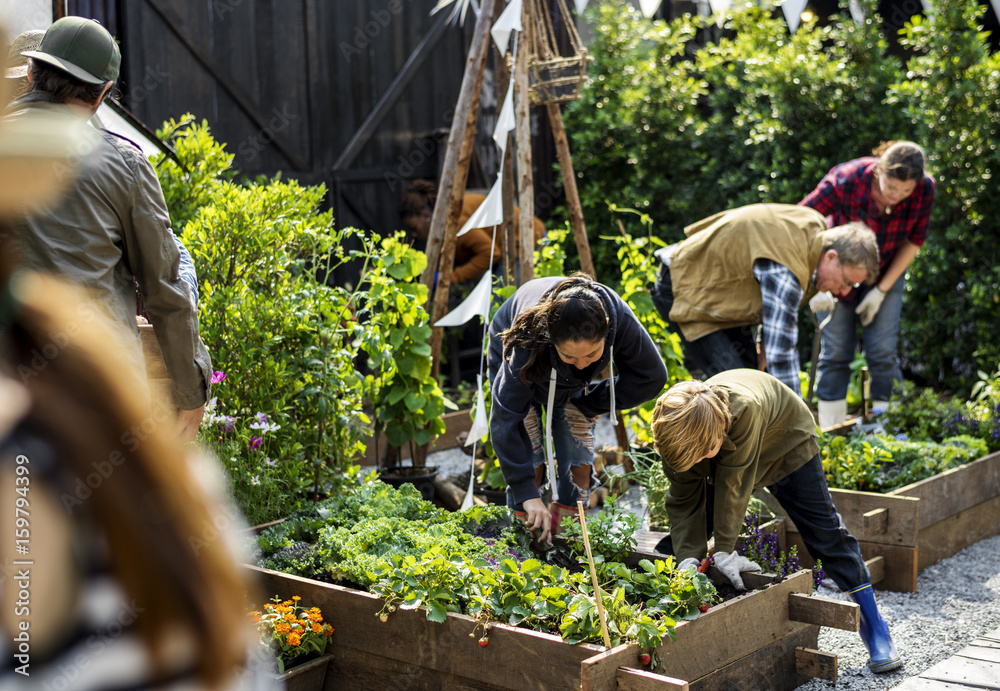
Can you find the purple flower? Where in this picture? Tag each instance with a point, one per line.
(268, 461)
(217, 377)
(228, 424)
(262, 423)
(901, 437)
(255, 443)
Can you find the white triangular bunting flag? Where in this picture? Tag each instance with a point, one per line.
(490, 212)
(793, 13)
(649, 7)
(581, 5)
(928, 6)
(720, 5)
(477, 304)
(509, 20)
(505, 121)
(995, 3)
(480, 425)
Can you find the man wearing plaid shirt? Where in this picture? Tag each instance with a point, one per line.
(756, 265)
(892, 195)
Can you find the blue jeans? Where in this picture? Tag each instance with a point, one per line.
(879, 338)
(573, 444)
(715, 352)
(805, 498)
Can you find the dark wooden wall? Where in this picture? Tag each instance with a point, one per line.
(286, 84)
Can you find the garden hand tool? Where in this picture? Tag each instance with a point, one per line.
(875, 632)
(732, 565)
(817, 338)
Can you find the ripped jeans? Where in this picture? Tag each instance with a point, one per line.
(573, 444)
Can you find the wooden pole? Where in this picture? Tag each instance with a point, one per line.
(569, 185)
(451, 189)
(522, 115)
(593, 574)
(507, 239)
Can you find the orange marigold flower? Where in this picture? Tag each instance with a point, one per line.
(316, 628)
(282, 627)
(293, 639)
(296, 598)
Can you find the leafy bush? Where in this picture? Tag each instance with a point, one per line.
(680, 132)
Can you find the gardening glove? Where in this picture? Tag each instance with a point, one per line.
(689, 563)
(732, 565)
(869, 305)
(822, 302)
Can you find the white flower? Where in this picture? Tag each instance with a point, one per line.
(255, 480)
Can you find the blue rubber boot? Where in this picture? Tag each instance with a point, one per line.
(875, 632)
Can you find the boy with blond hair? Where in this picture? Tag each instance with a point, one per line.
(743, 430)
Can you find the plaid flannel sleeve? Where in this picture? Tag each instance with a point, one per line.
(782, 294)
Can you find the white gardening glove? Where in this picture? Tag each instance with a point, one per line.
(689, 563)
(822, 302)
(732, 565)
(869, 305)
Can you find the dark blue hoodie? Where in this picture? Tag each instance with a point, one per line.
(640, 377)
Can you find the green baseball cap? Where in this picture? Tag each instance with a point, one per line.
(81, 47)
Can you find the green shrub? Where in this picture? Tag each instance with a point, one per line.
(680, 132)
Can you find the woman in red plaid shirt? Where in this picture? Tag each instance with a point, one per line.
(893, 195)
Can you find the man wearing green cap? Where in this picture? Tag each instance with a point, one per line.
(113, 225)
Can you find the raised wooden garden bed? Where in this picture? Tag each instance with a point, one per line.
(454, 423)
(776, 651)
(920, 524)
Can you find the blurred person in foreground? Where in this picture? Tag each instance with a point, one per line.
(111, 229)
(132, 585)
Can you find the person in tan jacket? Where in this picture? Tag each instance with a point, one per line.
(475, 251)
(754, 265)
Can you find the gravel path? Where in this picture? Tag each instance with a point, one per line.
(957, 600)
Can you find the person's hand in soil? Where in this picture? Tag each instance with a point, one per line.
(538, 518)
(732, 565)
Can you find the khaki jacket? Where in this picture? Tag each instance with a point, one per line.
(711, 272)
(110, 227)
(771, 437)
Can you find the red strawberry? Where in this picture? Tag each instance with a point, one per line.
(483, 642)
(703, 608)
(644, 658)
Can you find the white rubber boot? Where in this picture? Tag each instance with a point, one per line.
(832, 413)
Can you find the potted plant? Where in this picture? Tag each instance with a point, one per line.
(297, 636)
(408, 403)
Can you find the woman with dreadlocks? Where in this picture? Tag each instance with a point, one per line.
(548, 342)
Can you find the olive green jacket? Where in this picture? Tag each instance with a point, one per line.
(112, 226)
(772, 435)
(711, 272)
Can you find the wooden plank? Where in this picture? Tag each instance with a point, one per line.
(356, 670)
(897, 573)
(902, 522)
(771, 668)
(960, 670)
(545, 661)
(955, 533)
(392, 94)
(209, 63)
(955, 490)
(876, 569)
(698, 650)
(875, 523)
(824, 611)
(920, 684)
(640, 680)
(816, 664)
